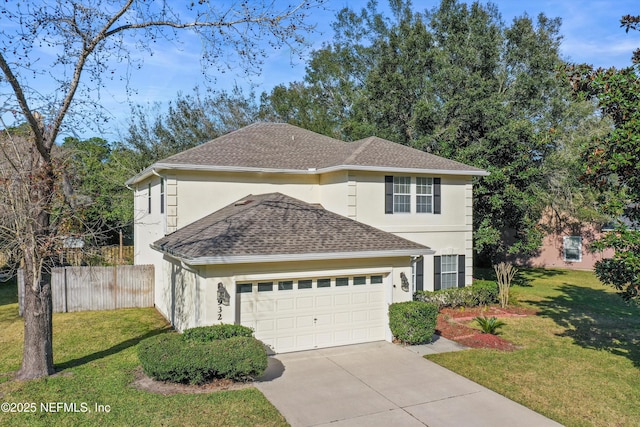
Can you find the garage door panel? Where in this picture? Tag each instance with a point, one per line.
(324, 301)
(360, 315)
(285, 304)
(305, 321)
(285, 323)
(304, 302)
(342, 318)
(342, 299)
(266, 305)
(265, 326)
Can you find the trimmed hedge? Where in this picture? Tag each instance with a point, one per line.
(482, 292)
(169, 357)
(216, 332)
(413, 322)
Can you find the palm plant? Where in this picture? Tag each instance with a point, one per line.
(489, 325)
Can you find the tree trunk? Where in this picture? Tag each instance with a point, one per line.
(37, 360)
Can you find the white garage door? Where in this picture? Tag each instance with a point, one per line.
(293, 315)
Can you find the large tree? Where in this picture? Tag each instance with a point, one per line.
(613, 167)
(189, 120)
(459, 82)
(87, 40)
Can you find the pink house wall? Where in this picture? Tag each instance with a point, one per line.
(552, 251)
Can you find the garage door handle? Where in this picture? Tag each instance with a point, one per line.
(315, 320)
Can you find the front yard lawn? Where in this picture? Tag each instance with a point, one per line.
(95, 356)
(579, 361)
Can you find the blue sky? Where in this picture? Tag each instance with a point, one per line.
(590, 28)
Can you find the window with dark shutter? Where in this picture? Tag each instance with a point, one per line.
(437, 277)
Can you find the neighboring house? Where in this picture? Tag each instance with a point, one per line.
(305, 238)
(569, 249)
(567, 243)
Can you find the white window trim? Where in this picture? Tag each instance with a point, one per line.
(427, 195)
(453, 272)
(402, 194)
(566, 239)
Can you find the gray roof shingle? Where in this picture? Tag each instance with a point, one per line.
(277, 225)
(281, 146)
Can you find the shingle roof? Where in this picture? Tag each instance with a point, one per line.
(278, 225)
(280, 146)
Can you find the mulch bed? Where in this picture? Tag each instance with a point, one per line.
(453, 324)
(143, 382)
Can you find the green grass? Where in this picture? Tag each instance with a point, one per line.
(95, 357)
(580, 357)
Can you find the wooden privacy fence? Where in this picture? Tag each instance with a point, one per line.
(97, 288)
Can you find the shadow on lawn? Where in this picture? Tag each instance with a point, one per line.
(111, 350)
(524, 277)
(596, 319)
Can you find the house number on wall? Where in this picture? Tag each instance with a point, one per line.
(223, 299)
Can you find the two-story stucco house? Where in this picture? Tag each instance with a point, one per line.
(305, 238)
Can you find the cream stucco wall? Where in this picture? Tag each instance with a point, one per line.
(199, 194)
(359, 195)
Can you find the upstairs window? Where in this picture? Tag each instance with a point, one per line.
(401, 194)
(149, 198)
(398, 194)
(424, 195)
(161, 195)
(572, 248)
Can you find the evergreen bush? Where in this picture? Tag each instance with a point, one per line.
(170, 357)
(413, 322)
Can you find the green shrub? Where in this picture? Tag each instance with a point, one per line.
(216, 332)
(169, 357)
(482, 292)
(489, 325)
(413, 322)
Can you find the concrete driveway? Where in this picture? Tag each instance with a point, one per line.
(383, 384)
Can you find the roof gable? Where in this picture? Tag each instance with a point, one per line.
(277, 226)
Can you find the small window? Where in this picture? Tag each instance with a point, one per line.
(401, 194)
(342, 281)
(449, 271)
(360, 280)
(265, 286)
(161, 195)
(244, 288)
(149, 198)
(424, 195)
(572, 248)
(324, 283)
(285, 286)
(376, 280)
(304, 284)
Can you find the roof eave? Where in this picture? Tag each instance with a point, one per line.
(246, 259)
(310, 171)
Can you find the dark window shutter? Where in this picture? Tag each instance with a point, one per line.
(420, 274)
(437, 279)
(388, 194)
(436, 195)
(461, 271)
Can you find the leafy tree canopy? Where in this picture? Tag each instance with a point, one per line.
(459, 82)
